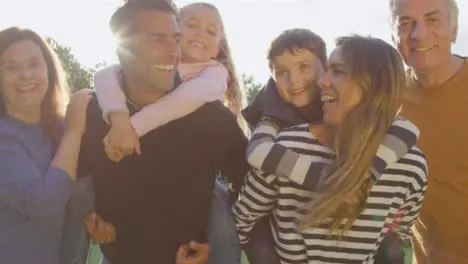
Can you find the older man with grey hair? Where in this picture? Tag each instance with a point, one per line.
(436, 101)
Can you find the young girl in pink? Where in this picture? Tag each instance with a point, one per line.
(207, 74)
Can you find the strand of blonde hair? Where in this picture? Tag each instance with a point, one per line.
(359, 136)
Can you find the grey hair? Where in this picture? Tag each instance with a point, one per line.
(453, 10)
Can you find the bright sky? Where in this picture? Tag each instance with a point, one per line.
(250, 24)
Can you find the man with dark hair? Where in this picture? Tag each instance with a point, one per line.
(158, 201)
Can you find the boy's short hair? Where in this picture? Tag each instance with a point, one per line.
(298, 38)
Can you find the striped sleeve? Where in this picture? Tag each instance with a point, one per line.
(413, 202)
(256, 200)
(263, 153)
(400, 139)
(410, 212)
(261, 144)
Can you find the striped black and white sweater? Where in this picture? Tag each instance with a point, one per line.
(399, 191)
(264, 154)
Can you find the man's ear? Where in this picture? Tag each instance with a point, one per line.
(125, 50)
(454, 33)
(271, 65)
(394, 40)
(396, 43)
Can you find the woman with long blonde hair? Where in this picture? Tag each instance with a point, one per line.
(347, 218)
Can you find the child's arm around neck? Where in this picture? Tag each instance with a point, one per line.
(108, 90)
(208, 85)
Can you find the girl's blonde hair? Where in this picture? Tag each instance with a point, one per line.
(234, 97)
(377, 69)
